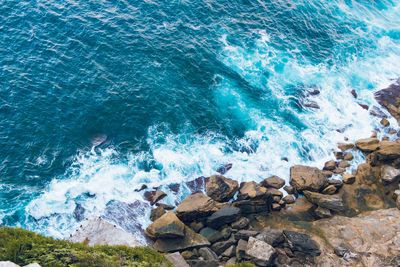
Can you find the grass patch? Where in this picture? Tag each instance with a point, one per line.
(24, 247)
(242, 264)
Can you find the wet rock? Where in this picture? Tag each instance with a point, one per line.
(322, 213)
(299, 242)
(196, 206)
(79, 212)
(331, 202)
(389, 174)
(388, 150)
(156, 213)
(189, 240)
(165, 206)
(301, 210)
(220, 188)
(354, 93)
(249, 206)
(274, 237)
(311, 104)
(225, 215)
(390, 99)
(364, 106)
(167, 226)
(245, 234)
(242, 223)
(241, 249)
(174, 187)
(392, 131)
(330, 165)
(345, 146)
(260, 252)
(274, 182)
(221, 246)
(338, 155)
(367, 144)
(348, 178)
(288, 189)
(143, 187)
(344, 164)
(223, 169)
(197, 184)
(348, 156)
(337, 183)
(229, 252)
(154, 196)
(328, 174)
(208, 254)
(385, 122)
(177, 260)
(289, 199)
(307, 178)
(329, 190)
(339, 170)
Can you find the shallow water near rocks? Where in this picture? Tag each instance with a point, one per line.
(97, 98)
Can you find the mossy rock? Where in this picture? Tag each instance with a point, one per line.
(24, 247)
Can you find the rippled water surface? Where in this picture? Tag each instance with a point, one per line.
(99, 97)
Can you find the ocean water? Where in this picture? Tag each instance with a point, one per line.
(100, 97)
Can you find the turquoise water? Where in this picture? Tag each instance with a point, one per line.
(99, 97)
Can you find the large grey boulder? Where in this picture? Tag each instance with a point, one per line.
(260, 252)
(177, 260)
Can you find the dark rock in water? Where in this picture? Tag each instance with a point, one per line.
(301, 243)
(338, 154)
(311, 104)
(364, 106)
(225, 215)
(143, 187)
(390, 99)
(156, 213)
(223, 169)
(98, 139)
(221, 189)
(197, 184)
(315, 92)
(154, 196)
(274, 237)
(377, 112)
(174, 187)
(79, 212)
(273, 181)
(354, 93)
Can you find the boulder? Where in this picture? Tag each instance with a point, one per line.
(348, 178)
(273, 181)
(348, 157)
(203, 263)
(245, 234)
(224, 168)
(249, 206)
(251, 190)
(307, 178)
(289, 189)
(260, 252)
(344, 164)
(330, 165)
(213, 235)
(177, 260)
(385, 122)
(208, 254)
(329, 190)
(339, 170)
(289, 199)
(189, 240)
(154, 196)
(156, 213)
(367, 144)
(196, 206)
(274, 237)
(220, 188)
(225, 215)
(389, 150)
(165, 206)
(221, 246)
(345, 146)
(299, 242)
(167, 226)
(331, 202)
(275, 193)
(196, 226)
(229, 252)
(327, 173)
(389, 174)
(336, 182)
(241, 249)
(390, 99)
(276, 206)
(242, 223)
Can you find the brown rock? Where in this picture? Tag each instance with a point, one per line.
(288, 189)
(389, 150)
(367, 144)
(328, 174)
(307, 178)
(338, 155)
(167, 226)
(276, 206)
(392, 131)
(242, 223)
(289, 199)
(345, 146)
(165, 206)
(273, 181)
(348, 156)
(195, 206)
(220, 188)
(385, 138)
(348, 178)
(156, 213)
(339, 170)
(331, 202)
(251, 190)
(329, 190)
(385, 122)
(275, 192)
(322, 213)
(344, 164)
(337, 183)
(389, 174)
(330, 165)
(196, 226)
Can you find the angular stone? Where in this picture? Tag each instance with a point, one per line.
(196, 206)
(348, 157)
(367, 144)
(331, 202)
(385, 122)
(221, 246)
(165, 206)
(289, 199)
(330, 165)
(339, 170)
(249, 206)
(275, 192)
(322, 213)
(389, 150)
(273, 181)
(344, 164)
(302, 243)
(242, 223)
(307, 178)
(288, 189)
(208, 254)
(167, 226)
(196, 226)
(224, 168)
(229, 252)
(274, 237)
(154, 196)
(260, 252)
(214, 235)
(220, 188)
(337, 183)
(177, 260)
(348, 178)
(225, 215)
(189, 240)
(345, 146)
(389, 174)
(241, 249)
(251, 190)
(245, 234)
(329, 190)
(156, 213)
(328, 174)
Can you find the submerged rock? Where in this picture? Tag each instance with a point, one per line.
(220, 188)
(223, 169)
(154, 196)
(307, 178)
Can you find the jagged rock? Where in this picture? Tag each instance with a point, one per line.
(348, 178)
(177, 260)
(195, 206)
(242, 223)
(154, 196)
(189, 240)
(322, 213)
(211, 234)
(225, 215)
(301, 243)
(79, 212)
(331, 202)
(348, 157)
(385, 122)
(223, 169)
(167, 226)
(249, 206)
(307, 178)
(229, 252)
(208, 254)
(367, 144)
(220, 188)
(274, 237)
(364, 106)
(241, 249)
(337, 183)
(245, 234)
(260, 252)
(289, 199)
(221, 246)
(389, 98)
(330, 165)
(273, 181)
(344, 164)
(345, 146)
(389, 174)
(197, 184)
(96, 231)
(289, 189)
(156, 213)
(251, 190)
(329, 190)
(388, 150)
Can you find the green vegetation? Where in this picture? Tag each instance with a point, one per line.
(243, 264)
(24, 247)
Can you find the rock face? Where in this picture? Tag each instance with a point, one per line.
(307, 178)
(259, 251)
(220, 188)
(367, 144)
(196, 206)
(274, 181)
(96, 231)
(167, 226)
(331, 202)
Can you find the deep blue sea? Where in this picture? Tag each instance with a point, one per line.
(99, 97)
